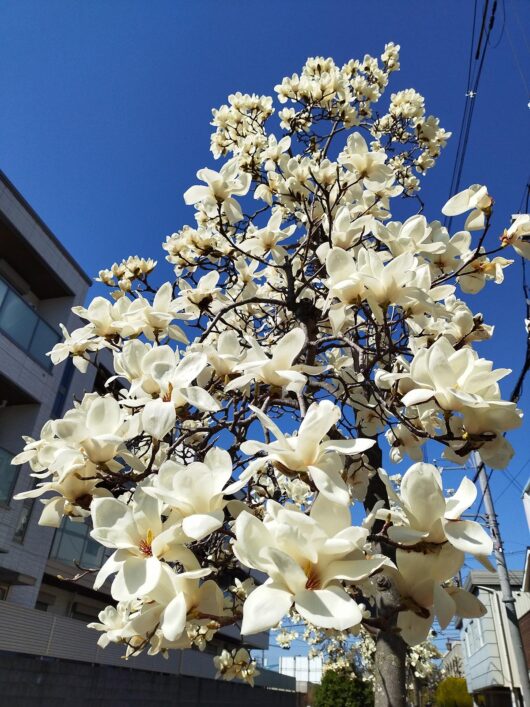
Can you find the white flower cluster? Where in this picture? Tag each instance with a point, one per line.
(126, 272)
(312, 330)
(237, 663)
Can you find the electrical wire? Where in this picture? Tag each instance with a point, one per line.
(471, 93)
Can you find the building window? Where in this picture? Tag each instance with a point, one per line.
(64, 387)
(73, 544)
(84, 612)
(4, 590)
(23, 520)
(8, 476)
(21, 323)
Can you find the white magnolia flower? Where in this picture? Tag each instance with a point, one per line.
(237, 663)
(458, 380)
(141, 538)
(172, 600)
(265, 240)
(72, 492)
(225, 355)
(78, 345)
(430, 517)
(306, 452)
(170, 381)
(109, 319)
(221, 186)
(424, 515)
(194, 299)
(194, 493)
(98, 427)
(305, 557)
(475, 199)
(412, 236)
(366, 165)
(156, 319)
(518, 235)
(278, 369)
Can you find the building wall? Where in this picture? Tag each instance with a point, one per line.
(452, 661)
(484, 666)
(36, 645)
(40, 273)
(30, 681)
(524, 624)
(486, 647)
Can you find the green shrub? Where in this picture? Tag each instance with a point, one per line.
(452, 692)
(341, 690)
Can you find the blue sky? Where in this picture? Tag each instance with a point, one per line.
(105, 110)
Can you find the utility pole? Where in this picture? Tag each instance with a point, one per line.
(506, 589)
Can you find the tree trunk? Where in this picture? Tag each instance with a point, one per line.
(390, 688)
(390, 672)
(390, 650)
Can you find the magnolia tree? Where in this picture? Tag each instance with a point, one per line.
(305, 333)
(353, 656)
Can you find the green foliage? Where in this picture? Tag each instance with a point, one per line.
(452, 692)
(341, 690)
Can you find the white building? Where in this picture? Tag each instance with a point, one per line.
(452, 662)
(47, 655)
(303, 668)
(489, 666)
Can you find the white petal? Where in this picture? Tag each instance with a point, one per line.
(264, 608)
(352, 570)
(349, 446)
(468, 536)
(199, 398)
(475, 221)
(467, 604)
(461, 500)
(195, 194)
(332, 517)
(104, 416)
(53, 512)
(199, 525)
(458, 204)
(173, 620)
(158, 418)
(414, 629)
(136, 578)
(328, 608)
(211, 599)
(111, 566)
(405, 535)
(444, 606)
(252, 537)
(421, 490)
(417, 396)
(287, 571)
(319, 419)
(330, 483)
(288, 348)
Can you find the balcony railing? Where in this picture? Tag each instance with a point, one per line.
(24, 327)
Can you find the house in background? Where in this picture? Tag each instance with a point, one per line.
(452, 663)
(47, 654)
(489, 665)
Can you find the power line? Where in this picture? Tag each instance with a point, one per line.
(471, 93)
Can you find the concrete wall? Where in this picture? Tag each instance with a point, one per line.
(30, 681)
